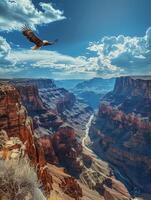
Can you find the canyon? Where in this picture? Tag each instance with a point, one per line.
(44, 125)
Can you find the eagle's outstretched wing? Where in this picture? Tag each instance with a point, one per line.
(27, 32)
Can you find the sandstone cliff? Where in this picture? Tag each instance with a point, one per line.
(121, 131)
(17, 126)
(132, 94)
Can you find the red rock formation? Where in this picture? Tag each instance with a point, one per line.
(125, 141)
(30, 98)
(136, 86)
(15, 121)
(132, 94)
(68, 149)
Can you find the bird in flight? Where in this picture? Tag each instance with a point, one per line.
(29, 34)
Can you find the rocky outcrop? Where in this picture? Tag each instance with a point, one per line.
(31, 99)
(62, 148)
(132, 94)
(68, 149)
(17, 126)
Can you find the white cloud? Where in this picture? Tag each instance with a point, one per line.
(128, 55)
(56, 62)
(7, 64)
(4, 53)
(48, 59)
(14, 14)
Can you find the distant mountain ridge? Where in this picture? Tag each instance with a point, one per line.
(91, 91)
(68, 84)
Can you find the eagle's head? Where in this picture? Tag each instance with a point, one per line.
(46, 43)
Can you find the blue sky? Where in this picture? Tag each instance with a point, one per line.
(97, 38)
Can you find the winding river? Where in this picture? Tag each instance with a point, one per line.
(88, 125)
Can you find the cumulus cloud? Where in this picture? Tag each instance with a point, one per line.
(128, 55)
(7, 64)
(49, 59)
(16, 13)
(4, 53)
(52, 64)
(55, 62)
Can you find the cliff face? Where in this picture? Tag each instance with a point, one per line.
(57, 99)
(17, 133)
(132, 94)
(28, 90)
(57, 138)
(30, 98)
(133, 86)
(121, 134)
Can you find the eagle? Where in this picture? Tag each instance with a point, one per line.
(29, 34)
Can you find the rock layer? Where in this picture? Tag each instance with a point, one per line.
(14, 122)
(121, 131)
(132, 94)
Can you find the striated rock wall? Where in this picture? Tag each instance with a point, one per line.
(133, 86)
(57, 99)
(30, 98)
(132, 94)
(14, 122)
(124, 139)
